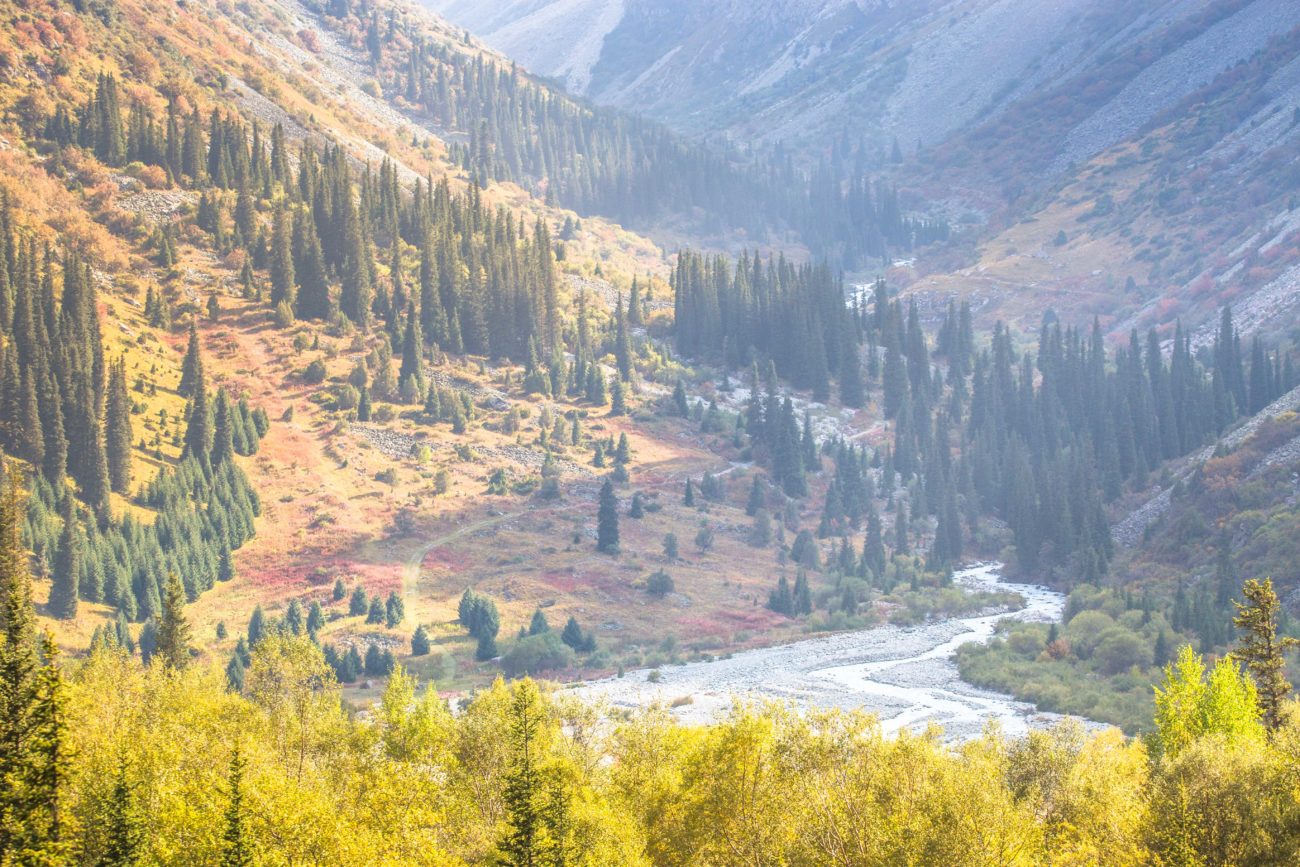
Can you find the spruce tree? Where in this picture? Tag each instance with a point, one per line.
(527, 840)
(1261, 649)
(283, 279)
(313, 298)
(124, 824)
(235, 849)
(173, 646)
(198, 432)
(117, 429)
(420, 642)
(192, 365)
(32, 763)
(67, 567)
(607, 520)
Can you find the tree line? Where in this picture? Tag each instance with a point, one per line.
(279, 769)
(505, 126)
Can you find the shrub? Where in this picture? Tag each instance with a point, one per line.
(314, 373)
(1119, 649)
(536, 653)
(284, 314)
(347, 397)
(1085, 631)
(659, 584)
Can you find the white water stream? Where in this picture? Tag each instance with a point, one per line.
(906, 675)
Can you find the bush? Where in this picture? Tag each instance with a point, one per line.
(314, 373)
(659, 584)
(1119, 649)
(347, 397)
(536, 653)
(284, 314)
(1085, 631)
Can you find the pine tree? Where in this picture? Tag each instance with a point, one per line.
(31, 724)
(1261, 649)
(192, 365)
(223, 430)
(173, 629)
(198, 432)
(527, 840)
(486, 648)
(573, 635)
(900, 529)
(617, 400)
(607, 520)
(679, 399)
(283, 279)
(124, 824)
(852, 391)
(256, 626)
(315, 618)
(781, 600)
(235, 850)
(420, 642)
(67, 567)
(313, 298)
(117, 429)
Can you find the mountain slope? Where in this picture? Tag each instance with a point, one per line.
(446, 364)
(1133, 161)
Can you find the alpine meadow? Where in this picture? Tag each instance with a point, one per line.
(585, 433)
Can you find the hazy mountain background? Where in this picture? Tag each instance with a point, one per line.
(1136, 161)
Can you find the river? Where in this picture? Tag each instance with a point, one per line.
(906, 675)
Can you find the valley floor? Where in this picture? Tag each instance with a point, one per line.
(906, 675)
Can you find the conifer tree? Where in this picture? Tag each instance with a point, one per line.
(622, 342)
(313, 293)
(1261, 649)
(192, 365)
(781, 600)
(617, 400)
(420, 642)
(118, 435)
(223, 429)
(802, 602)
(67, 567)
(235, 849)
(199, 431)
(173, 643)
(283, 279)
(852, 391)
(31, 722)
(607, 520)
(527, 841)
(124, 825)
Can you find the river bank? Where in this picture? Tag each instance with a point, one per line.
(907, 675)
